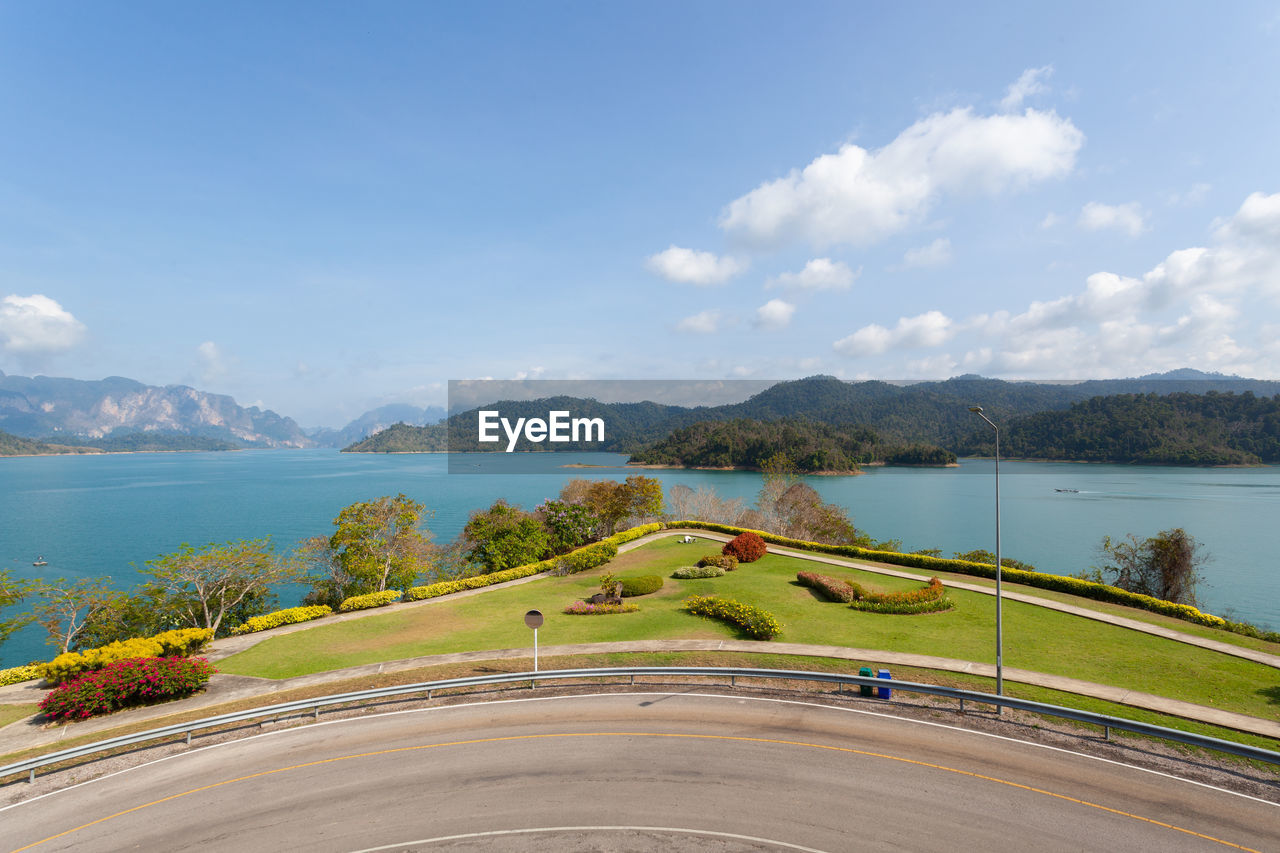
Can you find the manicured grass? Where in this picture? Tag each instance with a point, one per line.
(1035, 638)
(13, 713)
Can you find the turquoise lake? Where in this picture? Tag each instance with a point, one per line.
(102, 515)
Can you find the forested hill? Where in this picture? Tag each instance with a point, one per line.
(403, 438)
(12, 445)
(1171, 429)
(804, 446)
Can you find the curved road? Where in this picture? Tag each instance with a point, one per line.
(652, 771)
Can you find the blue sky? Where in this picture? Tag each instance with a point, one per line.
(321, 208)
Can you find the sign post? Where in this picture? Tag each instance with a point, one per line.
(534, 620)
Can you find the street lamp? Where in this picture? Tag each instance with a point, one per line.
(977, 410)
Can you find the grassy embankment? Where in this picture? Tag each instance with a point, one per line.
(1035, 638)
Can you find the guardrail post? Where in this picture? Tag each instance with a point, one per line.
(429, 692)
(733, 681)
(961, 704)
(188, 737)
(315, 714)
(31, 779)
(1106, 732)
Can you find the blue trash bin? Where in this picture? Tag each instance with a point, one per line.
(884, 692)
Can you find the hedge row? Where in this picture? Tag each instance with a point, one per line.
(370, 599)
(832, 589)
(289, 616)
(1059, 583)
(931, 598)
(126, 684)
(640, 585)
(585, 608)
(728, 562)
(758, 623)
(698, 572)
(18, 674)
(181, 643)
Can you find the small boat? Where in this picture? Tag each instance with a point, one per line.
(1072, 491)
(40, 561)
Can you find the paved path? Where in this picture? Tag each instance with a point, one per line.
(651, 772)
(226, 688)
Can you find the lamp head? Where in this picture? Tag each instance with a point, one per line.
(977, 410)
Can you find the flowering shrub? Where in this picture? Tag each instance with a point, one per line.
(18, 674)
(758, 623)
(584, 608)
(721, 561)
(930, 598)
(747, 547)
(642, 585)
(832, 589)
(372, 599)
(289, 616)
(180, 643)
(698, 572)
(1060, 583)
(126, 684)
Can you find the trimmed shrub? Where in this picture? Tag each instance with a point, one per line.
(19, 674)
(721, 561)
(641, 585)
(180, 643)
(746, 547)
(372, 599)
(126, 684)
(289, 616)
(832, 589)
(757, 623)
(584, 608)
(690, 572)
(633, 533)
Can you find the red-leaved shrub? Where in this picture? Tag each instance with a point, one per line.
(746, 547)
(126, 684)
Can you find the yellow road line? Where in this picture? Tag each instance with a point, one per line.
(850, 750)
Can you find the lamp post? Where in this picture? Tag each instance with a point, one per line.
(977, 410)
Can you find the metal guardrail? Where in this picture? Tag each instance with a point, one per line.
(1107, 723)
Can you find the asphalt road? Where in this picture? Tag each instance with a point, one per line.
(636, 772)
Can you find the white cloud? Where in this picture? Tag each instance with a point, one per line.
(214, 365)
(930, 329)
(702, 323)
(531, 373)
(935, 254)
(1028, 84)
(774, 314)
(859, 197)
(818, 274)
(692, 267)
(1050, 220)
(1195, 195)
(37, 325)
(1128, 218)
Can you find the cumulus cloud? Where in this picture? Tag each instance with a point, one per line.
(1029, 83)
(213, 362)
(37, 325)
(1128, 218)
(702, 323)
(930, 329)
(818, 274)
(692, 267)
(860, 196)
(774, 314)
(935, 254)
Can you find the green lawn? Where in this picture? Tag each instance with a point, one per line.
(1035, 638)
(13, 713)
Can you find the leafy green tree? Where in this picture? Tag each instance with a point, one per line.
(613, 502)
(1165, 566)
(203, 586)
(378, 545)
(66, 607)
(143, 613)
(504, 536)
(13, 592)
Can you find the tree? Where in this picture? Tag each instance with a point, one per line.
(67, 607)
(12, 592)
(504, 536)
(380, 544)
(568, 525)
(638, 497)
(203, 586)
(1165, 566)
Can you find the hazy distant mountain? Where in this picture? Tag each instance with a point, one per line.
(375, 421)
(66, 409)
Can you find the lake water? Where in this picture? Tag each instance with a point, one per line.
(102, 515)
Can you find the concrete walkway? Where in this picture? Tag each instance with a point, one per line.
(227, 688)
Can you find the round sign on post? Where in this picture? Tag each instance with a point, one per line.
(534, 620)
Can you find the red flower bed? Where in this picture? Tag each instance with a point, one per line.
(126, 684)
(746, 547)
